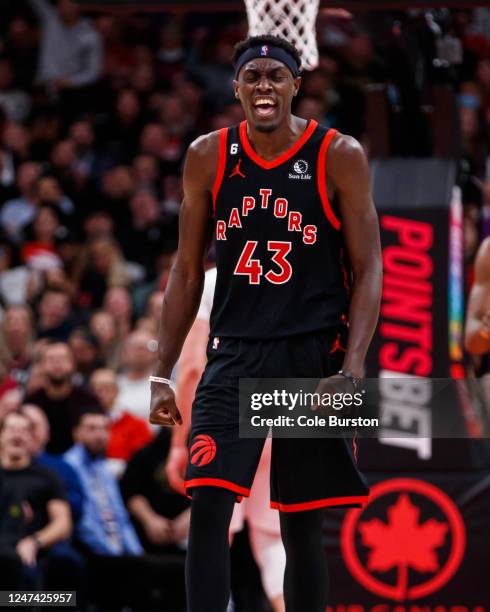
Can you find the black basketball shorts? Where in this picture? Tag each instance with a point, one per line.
(306, 473)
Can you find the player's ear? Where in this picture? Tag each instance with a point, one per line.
(297, 85)
(235, 88)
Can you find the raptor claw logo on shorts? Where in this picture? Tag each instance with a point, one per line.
(203, 450)
(264, 50)
(407, 542)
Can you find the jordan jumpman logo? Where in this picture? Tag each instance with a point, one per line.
(237, 170)
(337, 346)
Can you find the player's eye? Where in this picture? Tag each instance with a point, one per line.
(250, 76)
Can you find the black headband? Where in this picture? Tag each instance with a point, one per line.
(277, 53)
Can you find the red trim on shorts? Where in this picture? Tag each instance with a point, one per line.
(220, 170)
(269, 164)
(218, 482)
(322, 179)
(320, 503)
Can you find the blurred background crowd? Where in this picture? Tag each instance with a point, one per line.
(96, 113)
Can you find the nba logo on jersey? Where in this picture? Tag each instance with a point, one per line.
(264, 50)
(215, 344)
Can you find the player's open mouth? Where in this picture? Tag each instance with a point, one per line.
(264, 107)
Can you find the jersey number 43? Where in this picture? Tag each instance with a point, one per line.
(247, 266)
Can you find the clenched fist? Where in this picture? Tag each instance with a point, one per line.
(163, 409)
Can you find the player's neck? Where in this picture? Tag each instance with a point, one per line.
(270, 145)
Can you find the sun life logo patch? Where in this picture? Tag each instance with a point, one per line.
(300, 170)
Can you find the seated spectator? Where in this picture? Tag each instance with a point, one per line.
(126, 125)
(172, 198)
(46, 511)
(71, 53)
(39, 250)
(16, 214)
(119, 572)
(12, 530)
(17, 138)
(146, 172)
(39, 438)
(139, 356)
(10, 401)
(104, 267)
(63, 162)
(90, 163)
(7, 168)
(117, 187)
(161, 514)
(55, 319)
(14, 279)
(117, 301)
(171, 53)
(143, 237)
(17, 337)
(104, 528)
(50, 192)
(154, 306)
(98, 223)
(16, 102)
(61, 401)
(103, 325)
(85, 348)
(127, 432)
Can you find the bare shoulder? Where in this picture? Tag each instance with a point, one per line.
(346, 155)
(202, 159)
(205, 145)
(482, 264)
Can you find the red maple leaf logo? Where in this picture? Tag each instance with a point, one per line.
(403, 542)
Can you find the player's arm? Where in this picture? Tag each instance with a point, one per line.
(191, 365)
(477, 332)
(348, 172)
(183, 292)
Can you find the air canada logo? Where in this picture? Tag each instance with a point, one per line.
(407, 542)
(300, 170)
(203, 450)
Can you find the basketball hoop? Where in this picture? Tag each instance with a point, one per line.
(292, 19)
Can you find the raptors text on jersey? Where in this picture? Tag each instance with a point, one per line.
(281, 267)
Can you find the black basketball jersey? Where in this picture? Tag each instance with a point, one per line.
(280, 260)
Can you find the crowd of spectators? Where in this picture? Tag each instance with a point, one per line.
(96, 113)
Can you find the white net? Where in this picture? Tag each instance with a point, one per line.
(292, 19)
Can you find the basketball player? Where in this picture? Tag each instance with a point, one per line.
(290, 207)
(263, 522)
(477, 332)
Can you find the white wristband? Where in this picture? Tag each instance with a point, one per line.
(159, 379)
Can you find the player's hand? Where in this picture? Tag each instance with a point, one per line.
(163, 409)
(159, 530)
(175, 468)
(27, 551)
(336, 386)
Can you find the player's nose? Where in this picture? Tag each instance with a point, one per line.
(263, 84)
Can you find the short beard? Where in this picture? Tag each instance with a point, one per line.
(57, 381)
(266, 129)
